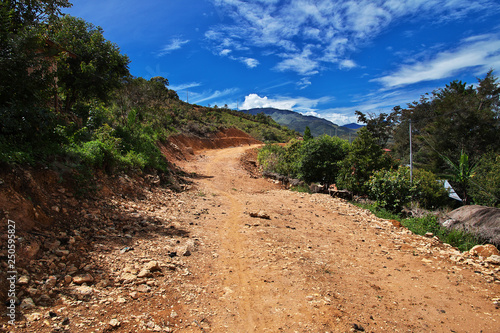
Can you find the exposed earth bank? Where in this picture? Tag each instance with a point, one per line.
(233, 253)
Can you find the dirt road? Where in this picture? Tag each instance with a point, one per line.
(320, 265)
(146, 259)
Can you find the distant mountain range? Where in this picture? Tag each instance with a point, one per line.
(354, 126)
(298, 122)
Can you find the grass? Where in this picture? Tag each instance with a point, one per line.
(462, 240)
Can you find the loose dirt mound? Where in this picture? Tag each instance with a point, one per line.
(479, 220)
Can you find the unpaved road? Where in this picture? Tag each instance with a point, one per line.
(320, 265)
(316, 264)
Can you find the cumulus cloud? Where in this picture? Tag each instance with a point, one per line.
(335, 27)
(478, 51)
(298, 104)
(174, 44)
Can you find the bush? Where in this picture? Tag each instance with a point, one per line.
(391, 189)
(270, 158)
(364, 158)
(485, 184)
(429, 191)
(320, 159)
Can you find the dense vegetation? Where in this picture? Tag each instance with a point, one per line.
(67, 97)
(454, 137)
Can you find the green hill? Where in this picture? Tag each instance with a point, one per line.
(298, 122)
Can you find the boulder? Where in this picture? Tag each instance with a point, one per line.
(484, 222)
(484, 251)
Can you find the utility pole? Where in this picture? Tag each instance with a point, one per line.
(411, 157)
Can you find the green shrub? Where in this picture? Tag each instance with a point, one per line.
(485, 183)
(320, 159)
(429, 191)
(391, 189)
(364, 158)
(270, 158)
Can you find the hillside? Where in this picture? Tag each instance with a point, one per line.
(298, 122)
(353, 126)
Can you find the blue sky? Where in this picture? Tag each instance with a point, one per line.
(320, 57)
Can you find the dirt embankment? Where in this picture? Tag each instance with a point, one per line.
(182, 146)
(235, 253)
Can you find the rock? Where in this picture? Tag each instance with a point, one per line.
(114, 323)
(143, 288)
(84, 292)
(134, 295)
(68, 279)
(23, 280)
(33, 316)
(153, 266)
(261, 214)
(429, 234)
(81, 279)
(127, 278)
(121, 300)
(27, 304)
(51, 282)
(65, 321)
(144, 274)
(493, 259)
(396, 223)
(484, 251)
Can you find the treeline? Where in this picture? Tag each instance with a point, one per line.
(454, 135)
(67, 97)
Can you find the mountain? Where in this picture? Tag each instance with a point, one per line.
(354, 126)
(298, 122)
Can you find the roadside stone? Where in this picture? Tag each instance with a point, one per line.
(144, 274)
(114, 323)
(261, 214)
(33, 316)
(143, 288)
(28, 304)
(484, 251)
(23, 280)
(152, 266)
(81, 279)
(493, 259)
(127, 278)
(84, 292)
(51, 282)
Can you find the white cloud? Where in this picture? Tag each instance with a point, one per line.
(250, 62)
(300, 63)
(478, 51)
(174, 44)
(336, 27)
(210, 96)
(184, 86)
(304, 83)
(347, 64)
(298, 104)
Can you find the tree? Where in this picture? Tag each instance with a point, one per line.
(26, 79)
(364, 158)
(379, 126)
(98, 67)
(307, 134)
(321, 157)
(452, 119)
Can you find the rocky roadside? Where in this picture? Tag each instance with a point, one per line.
(123, 251)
